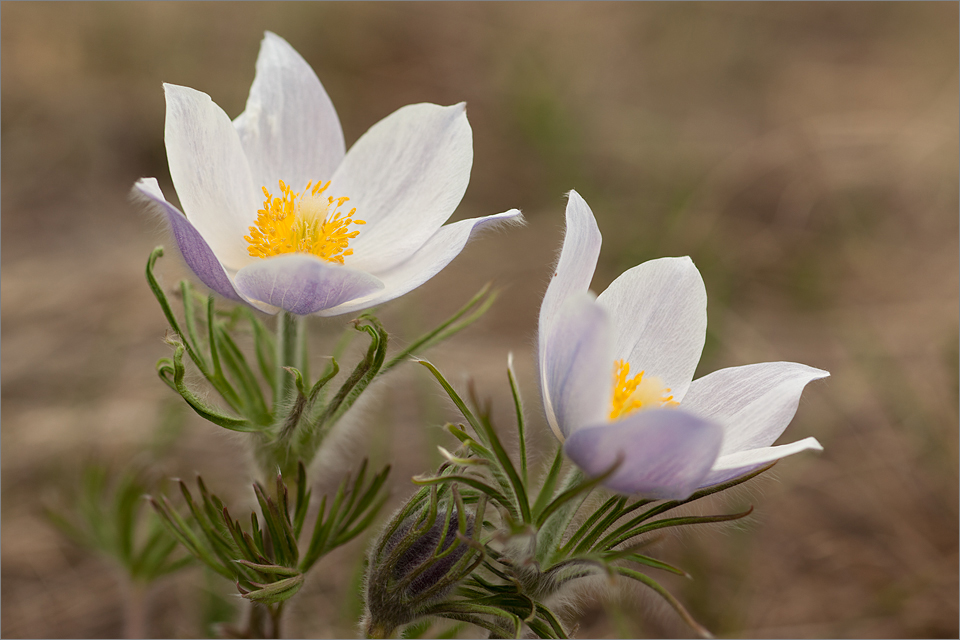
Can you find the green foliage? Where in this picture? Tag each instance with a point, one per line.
(536, 544)
(109, 518)
(293, 425)
(268, 559)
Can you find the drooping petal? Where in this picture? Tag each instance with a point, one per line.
(405, 176)
(210, 173)
(728, 467)
(754, 403)
(574, 271)
(195, 250)
(575, 378)
(302, 284)
(445, 245)
(666, 453)
(289, 129)
(659, 310)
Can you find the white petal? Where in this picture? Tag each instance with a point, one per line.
(210, 173)
(289, 129)
(576, 376)
(303, 284)
(445, 245)
(659, 311)
(728, 467)
(666, 453)
(754, 403)
(574, 270)
(405, 176)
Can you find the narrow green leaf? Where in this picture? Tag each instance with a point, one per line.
(168, 312)
(236, 364)
(276, 592)
(584, 487)
(518, 406)
(190, 318)
(666, 595)
(549, 484)
(447, 328)
(477, 484)
(206, 412)
(677, 522)
(264, 347)
(303, 500)
(269, 569)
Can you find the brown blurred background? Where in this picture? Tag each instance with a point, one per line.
(805, 156)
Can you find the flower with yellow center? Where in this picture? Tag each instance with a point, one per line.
(671, 434)
(301, 248)
(307, 222)
(631, 394)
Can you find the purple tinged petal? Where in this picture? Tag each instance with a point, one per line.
(210, 173)
(195, 250)
(445, 245)
(572, 275)
(303, 284)
(578, 261)
(665, 453)
(577, 371)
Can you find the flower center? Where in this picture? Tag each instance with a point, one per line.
(305, 222)
(637, 392)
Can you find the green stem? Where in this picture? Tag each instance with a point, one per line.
(289, 328)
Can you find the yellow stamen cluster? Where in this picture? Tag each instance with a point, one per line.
(636, 393)
(305, 222)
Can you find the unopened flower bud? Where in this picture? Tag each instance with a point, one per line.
(415, 563)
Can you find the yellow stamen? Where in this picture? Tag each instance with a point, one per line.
(636, 393)
(304, 222)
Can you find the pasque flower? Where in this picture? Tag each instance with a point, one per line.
(616, 374)
(278, 215)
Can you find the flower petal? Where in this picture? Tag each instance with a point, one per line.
(728, 467)
(754, 403)
(289, 129)
(666, 452)
(210, 173)
(405, 176)
(445, 245)
(574, 271)
(195, 250)
(575, 377)
(659, 310)
(303, 284)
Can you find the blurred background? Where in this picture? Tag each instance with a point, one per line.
(804, 155)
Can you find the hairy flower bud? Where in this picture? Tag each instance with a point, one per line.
(417, 561)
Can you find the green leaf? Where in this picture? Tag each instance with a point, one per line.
(205, 411)
(276, 592)
(449, 327)
(518, 503)
(549, 484)
(583, 487)
(518, 406)
(590, 521)
(269, 569)
(677, 522)
(168, 312)
(666, 595)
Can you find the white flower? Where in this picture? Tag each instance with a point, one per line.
(280, 217)
(616, 374)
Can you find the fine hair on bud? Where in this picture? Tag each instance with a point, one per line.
(422, 554)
